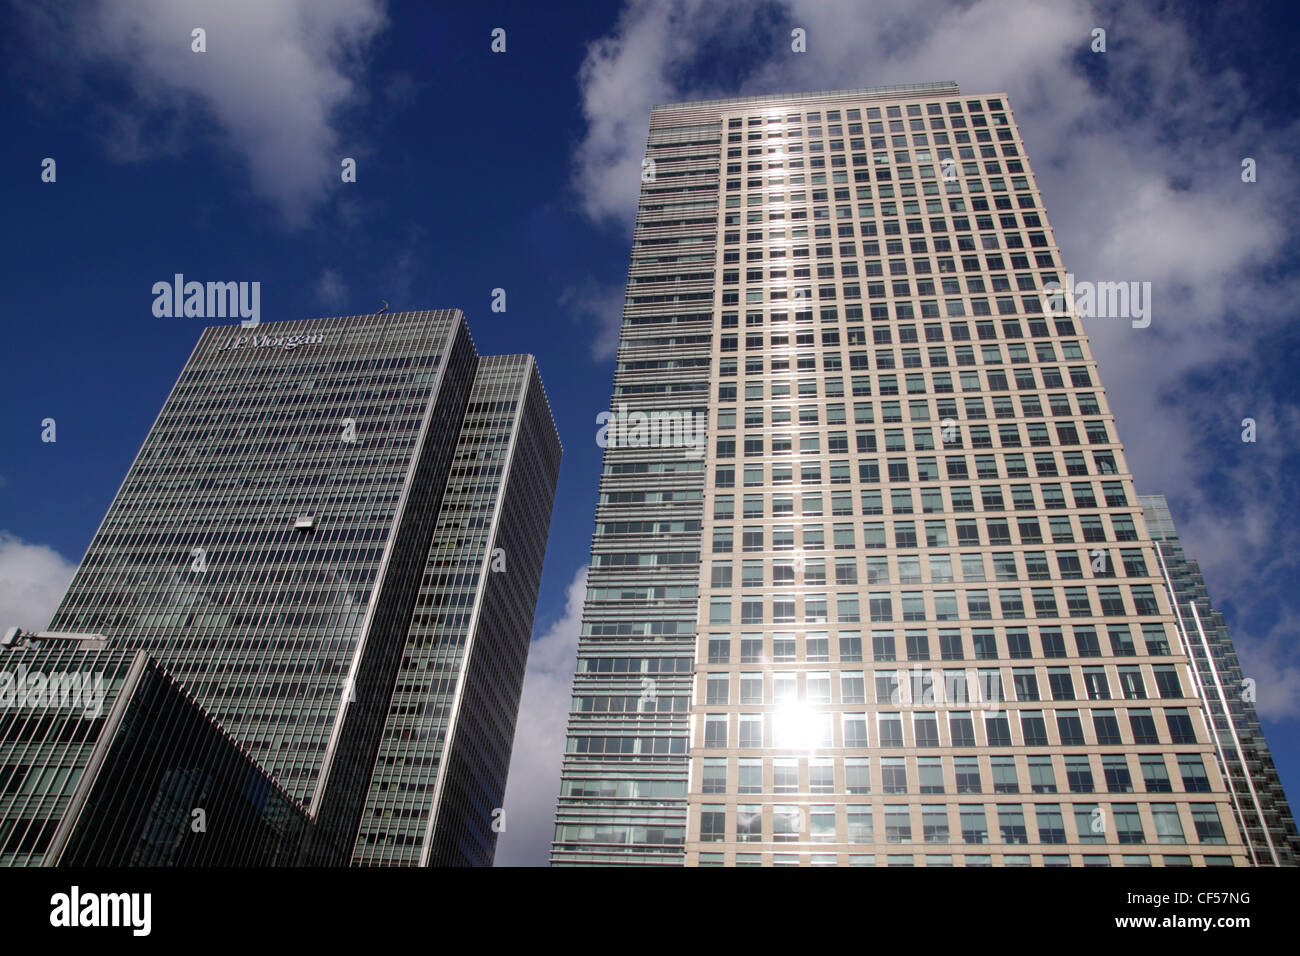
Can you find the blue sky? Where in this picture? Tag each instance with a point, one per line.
(519, 170)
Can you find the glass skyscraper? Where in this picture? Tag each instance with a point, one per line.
(902, 607)
(329, 546)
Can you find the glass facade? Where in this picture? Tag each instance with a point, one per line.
(268, 546)
(1261, 807)
(903, 595)
(173, 790)
(471, 606)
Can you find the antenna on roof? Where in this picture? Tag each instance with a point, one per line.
(384, 309)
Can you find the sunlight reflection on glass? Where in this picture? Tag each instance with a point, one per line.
(795, 726)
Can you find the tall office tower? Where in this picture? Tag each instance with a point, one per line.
(1260, 805)
(903, 610)
(442, 763)
(322, 509)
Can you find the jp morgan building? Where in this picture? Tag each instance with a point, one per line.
(320, 574)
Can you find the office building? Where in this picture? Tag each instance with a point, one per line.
(330, 545)
(902, 607)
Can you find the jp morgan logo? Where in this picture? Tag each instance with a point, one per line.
(286, 342)
(211, 300)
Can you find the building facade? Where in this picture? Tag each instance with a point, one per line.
(271, 551)
(902, 607)
(440, 773)
(1258, 801)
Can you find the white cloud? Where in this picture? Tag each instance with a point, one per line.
(1271, 663)
(621, 77)
(272, 82)
(602, 308)
(33, 579)
(331, 289)
(540, 733)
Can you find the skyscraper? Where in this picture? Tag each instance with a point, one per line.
(329, 546)
(901, 608)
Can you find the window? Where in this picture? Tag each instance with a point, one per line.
(1061, 682)
(926, 729)
(785, 823)
(1026, 684)
(974, 825)
(855, 730)
(1096, 683)
(713, 820)
(1011, 824)
(891, 730)
(1169, 826)
(715, 775)
(962, 728)
(1143, 726)
(1069, 727)
(1042, 779)
(1004, 775)
(934, 824)
(720, 610)
(1085, 640)
(1078, 773)
(821, 820)
(1192, 769)
(860, 828)
(967, 774)
(785, 775)
(1128, 823)
(1181, 729)
(719, 650)
(716, 691)
(1209, 829)
(898, 824)
(997, 730)
(1090, 821)
(857, 774)
(1121, 645)
(715, 730)
(1153, 635)
(930, 774)
(1155, 774)
(1115, 768)
(1106, 726)
(1051, 825)
(1034, 728)
(1167, 681)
